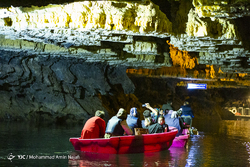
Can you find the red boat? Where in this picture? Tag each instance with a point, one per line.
(126, 144)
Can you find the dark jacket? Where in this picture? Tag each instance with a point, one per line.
(186, 110)
(133, 122)
(167, 106)
(157, 128)
(114, 127)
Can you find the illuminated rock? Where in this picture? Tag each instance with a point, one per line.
(141, 47)
(110, 15)
(107, 31)
(182, 58)
(215, 27)
(218, 8)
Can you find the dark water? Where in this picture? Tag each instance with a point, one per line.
(223, 143)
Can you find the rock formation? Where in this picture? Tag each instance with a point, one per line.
(62, 61)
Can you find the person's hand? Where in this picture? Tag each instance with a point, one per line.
(147, 105)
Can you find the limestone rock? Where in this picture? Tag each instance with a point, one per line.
(215, 27)
(109, 15)
(224, 9)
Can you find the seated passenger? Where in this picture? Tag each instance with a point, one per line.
(158, 127)
(162, 112)
(132, 120)
(117, 125)
(187, 113)
(94, 127)
(154, 112)
(173, 120)
(167, 106)
(147, 119)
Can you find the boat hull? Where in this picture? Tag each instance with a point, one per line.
(180, 141)
(126, 144)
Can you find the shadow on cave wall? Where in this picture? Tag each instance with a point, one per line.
(243, 25)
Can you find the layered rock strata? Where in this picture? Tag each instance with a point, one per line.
(65, 61)
(217, 30)
(58, 88)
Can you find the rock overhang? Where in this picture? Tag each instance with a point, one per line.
(105, 30)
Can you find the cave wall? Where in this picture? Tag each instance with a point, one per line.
(64, 89)
(210, 103)
(58, 88)
(48, 78)
(215, 32)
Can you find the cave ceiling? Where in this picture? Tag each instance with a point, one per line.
(197, 40)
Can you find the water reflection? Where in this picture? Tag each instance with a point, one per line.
(247, 144)
(172, 157)
(219, 143)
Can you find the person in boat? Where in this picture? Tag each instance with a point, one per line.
(172, 119)
(158, 127)
(150, 115)
(117, 125)
(94, 127)
(147, 119)
(133, 120)
(187, 114)
(167, 106)
(154, 112)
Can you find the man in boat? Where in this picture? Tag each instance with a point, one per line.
(151, 115)
(94, 127)
(147, 119)
(187, 114)
(167, 106)
(117, 125)
(154, 112)
(133, 120)
(158, 127)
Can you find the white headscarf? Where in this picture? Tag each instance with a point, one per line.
(174, 114)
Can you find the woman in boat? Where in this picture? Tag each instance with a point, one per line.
(133, 120)
(117, 125)
(172, 119)
(94, 127)
(158, 127)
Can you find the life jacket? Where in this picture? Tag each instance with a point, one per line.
(132, 122)
(114, 127)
